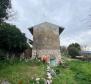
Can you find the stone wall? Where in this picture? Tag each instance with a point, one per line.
(46, 40)
(46, 36)
(46, 52)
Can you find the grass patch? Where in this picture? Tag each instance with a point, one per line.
(77, 72)
(21, 71)
(73, 72)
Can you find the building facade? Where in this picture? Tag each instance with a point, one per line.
(46, 42)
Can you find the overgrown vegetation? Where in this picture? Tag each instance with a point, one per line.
(12, 41)
(15, 71)
(73, 72)
(77, 72)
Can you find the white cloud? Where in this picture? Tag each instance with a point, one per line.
(71, 14)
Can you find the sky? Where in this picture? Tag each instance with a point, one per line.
(73, 15)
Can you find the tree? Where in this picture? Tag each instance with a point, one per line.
(74, 50)
(63, 50)
(11, 39)
(4, 6)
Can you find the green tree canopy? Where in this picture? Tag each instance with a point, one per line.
(4, 5)
(11, 38)
(74, 49)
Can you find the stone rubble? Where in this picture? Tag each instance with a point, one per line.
(5, 82)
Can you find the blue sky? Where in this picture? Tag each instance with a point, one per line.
(73, 15)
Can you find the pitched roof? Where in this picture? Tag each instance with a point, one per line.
(47, 24)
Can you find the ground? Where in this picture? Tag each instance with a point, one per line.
(72, 72)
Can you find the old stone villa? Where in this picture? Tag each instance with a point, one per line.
(46, 42)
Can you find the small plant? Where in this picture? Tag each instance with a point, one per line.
(57, 71)
(32, 81)
(20, 82)
(41, 81)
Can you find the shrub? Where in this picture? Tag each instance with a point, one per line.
(74, 50)
(12, 40)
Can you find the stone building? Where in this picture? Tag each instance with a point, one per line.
(46, 42)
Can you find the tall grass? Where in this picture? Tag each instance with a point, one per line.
(16, 71)
(77, 72)
(73, 72)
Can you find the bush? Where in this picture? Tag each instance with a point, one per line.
(74, 50)
(11, 39)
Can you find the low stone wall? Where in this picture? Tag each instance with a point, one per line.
(84, 58)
